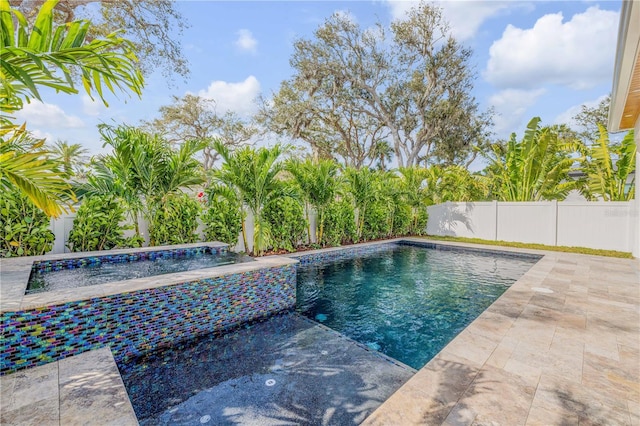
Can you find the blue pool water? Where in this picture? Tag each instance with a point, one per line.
(104, 272)
(407, 302)
(284, 371)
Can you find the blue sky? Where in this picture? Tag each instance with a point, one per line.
(532, 58)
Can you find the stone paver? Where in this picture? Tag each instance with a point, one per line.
(84, 389)
(560, 347)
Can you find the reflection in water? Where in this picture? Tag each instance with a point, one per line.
(407, 302)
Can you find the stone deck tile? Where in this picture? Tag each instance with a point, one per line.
(538, 358)
(84, 389)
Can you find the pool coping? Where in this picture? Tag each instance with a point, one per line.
(15, 274)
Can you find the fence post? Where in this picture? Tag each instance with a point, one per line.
(554, 206)
(495, 222)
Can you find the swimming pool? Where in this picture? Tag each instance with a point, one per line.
(405, 301)
(96, 270)
(391, 308)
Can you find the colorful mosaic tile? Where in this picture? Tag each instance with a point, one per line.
(57, 265)
(136, 322)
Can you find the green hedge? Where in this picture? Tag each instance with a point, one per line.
(97, 226)
(24, 228)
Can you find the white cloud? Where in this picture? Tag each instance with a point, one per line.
(465, 17)
(578, 53)
(37, 113)
(246, 41)
(510, 106)
(38, 134)
(566, 117)
(91, 107)
(236, 97)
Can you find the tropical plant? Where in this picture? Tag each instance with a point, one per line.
(286, 223)
(47, 56)
(534, 168)
(153, 25)
(222, 219)
(97, 225)
(403, 221)
(361, 186)
(609, 167)
(454, 183)
(24, 228)
(377, 221)
(393, 199)
(252, 175)
(318, 183)
(72, 156)
(414, 185)
(28, 166)
(143, 170)
(382, 154)
(340, 217)
(175, 220)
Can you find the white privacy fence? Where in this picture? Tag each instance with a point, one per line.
(61, 227)
(600, 225)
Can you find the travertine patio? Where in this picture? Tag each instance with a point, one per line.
(560, 347)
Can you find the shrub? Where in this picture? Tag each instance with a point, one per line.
(175, 221)
(419, 225)
(222, 221)
(376, 222)
(287, 225)
(401, 224)
(340, 226)
(24, 228)
(97, 225)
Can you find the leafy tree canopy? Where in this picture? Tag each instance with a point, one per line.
(590, 118)
(354, 87)
(195, 117)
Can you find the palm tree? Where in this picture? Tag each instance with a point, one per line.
(382, 152)
(71, 155)
(28, 166)
(361, 185)
(143, 170)
(44, 56)
(252, 174)
(318, 183)
(454, 183)
(535, 168)
(48, 56)
(414, 183)
(605, 179)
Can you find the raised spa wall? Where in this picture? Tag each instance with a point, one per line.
(135, 316)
